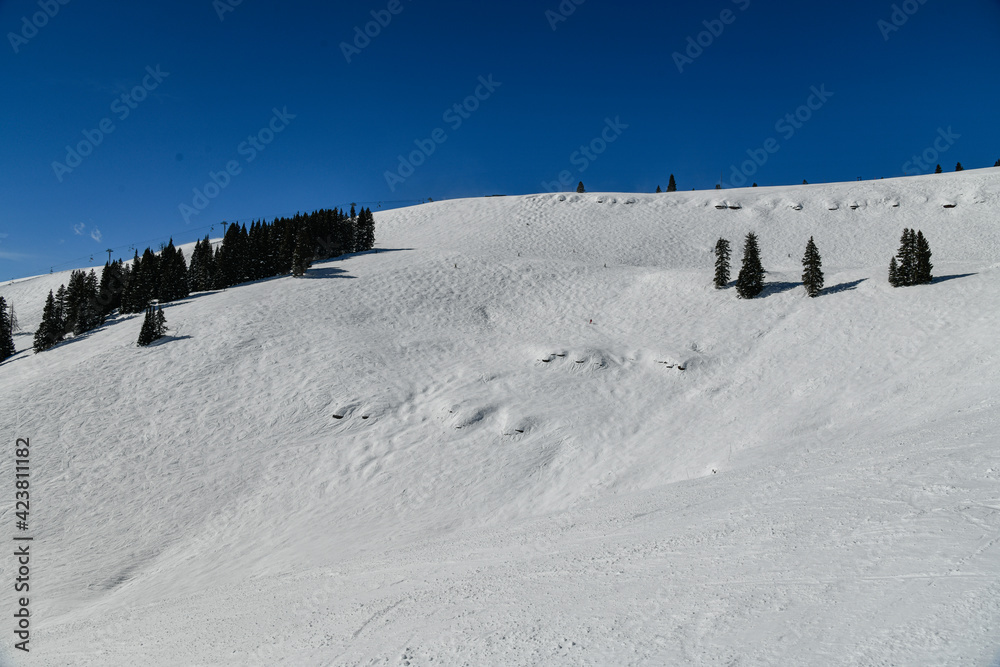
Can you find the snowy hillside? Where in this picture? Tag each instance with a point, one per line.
(477, 445)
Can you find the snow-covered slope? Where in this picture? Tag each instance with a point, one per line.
(522, 473)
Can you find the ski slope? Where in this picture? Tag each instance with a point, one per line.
(521, 473)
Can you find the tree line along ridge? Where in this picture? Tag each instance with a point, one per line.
(286, 246)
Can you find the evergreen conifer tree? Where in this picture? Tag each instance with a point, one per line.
(894, 273)
(76, 295)
(658, 190)
(88, 313)
(50, 330)
(148, 332)
(722, 253)
(161, 323)
(922, 273)
(812, 271)
(672, 185)
(110, 290)
(6, 332)
(59, 312)
(366, 231)
(129, 285)
(938, 170)
(907, 256)
(750, 281)
(959, 167)
(997, 163)
(580, 188)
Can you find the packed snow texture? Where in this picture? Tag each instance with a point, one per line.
(477, 446)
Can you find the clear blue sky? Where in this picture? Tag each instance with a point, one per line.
(555, 84)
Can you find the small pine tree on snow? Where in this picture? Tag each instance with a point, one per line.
(59, 313)
(161, 323)
(6, 332)
(922, 266)
(907, 256)
(812, 271)
(672, 185)
(997, 164)
(580, 188)
(754, 185)
(959, 167)
(148, 332)
(718, 186)
(939, 170)
(658, 190)
(750, 281)
(805, 182)
(894, 273)
(50, 331)
(721, 264)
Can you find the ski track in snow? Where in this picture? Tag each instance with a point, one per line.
(429, 455)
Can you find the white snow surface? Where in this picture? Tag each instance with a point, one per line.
(511, 484)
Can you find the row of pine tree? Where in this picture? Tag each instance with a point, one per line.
(912, 268)
(284, 246)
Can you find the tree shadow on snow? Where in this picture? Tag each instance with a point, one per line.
(777, 288)
(327, 272)
(167, 339)
(844, 287)
(941, 279)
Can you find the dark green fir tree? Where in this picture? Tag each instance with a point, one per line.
(580, 188)
(750, 281)
(722, 267)
(922, 272)
(894, 273)
(59, 314)
(50, 330)
(812, 270)
(672, 185)
(658, 190)
(938, 170)
(148, 332)
(959, 167)
(161, 323)
(907, 259)
(6, 332)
